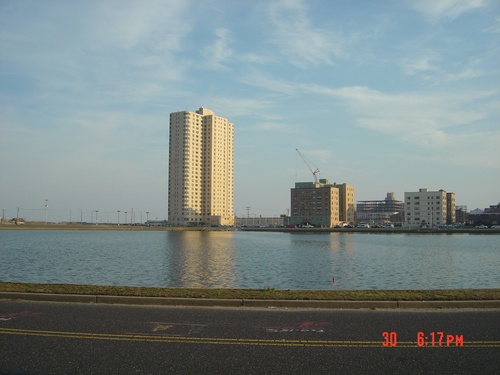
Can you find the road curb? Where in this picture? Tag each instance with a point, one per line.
(448, 304)
(250, 303)
(128, 300)
(49, 297)
(320, 304)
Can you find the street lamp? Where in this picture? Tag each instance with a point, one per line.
(118, 214)
(125, 217)
(46, 206)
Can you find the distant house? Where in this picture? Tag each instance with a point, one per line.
(490, 215)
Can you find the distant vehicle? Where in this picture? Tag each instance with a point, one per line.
(362, 226)
(307, 226)
(481, 227)
(388, 225)
(495, 227)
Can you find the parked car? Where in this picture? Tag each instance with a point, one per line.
(481, 227)
(362, 226)
(495, 226)
(387, 225)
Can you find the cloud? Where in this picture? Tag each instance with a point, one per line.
(495, 28)
(298, 40)
(425, 119)
(418, 65)
(429, 69)
(445, 9)
(415, 118)
(157, 24)
(96, 52)
(258, 79)
(233, 107)
(281, 127)
(217, 55)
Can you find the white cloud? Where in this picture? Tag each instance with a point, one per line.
(131, 24)
(281, 127)
(445, 9)
(217, 55)
(232, 107)
(495, 28)
(414, 118)
(421, 64)
(263, 81)
(299, 40)
(430, 69)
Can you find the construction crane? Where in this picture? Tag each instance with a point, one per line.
(315, 172)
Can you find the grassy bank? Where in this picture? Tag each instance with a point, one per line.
(332, 295)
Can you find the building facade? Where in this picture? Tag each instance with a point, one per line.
(347, 209)
(389, 209)
(201, 169)
(322, 204)
(429, 208)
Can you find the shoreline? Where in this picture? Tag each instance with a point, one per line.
(143, 228)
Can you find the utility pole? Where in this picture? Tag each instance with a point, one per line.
(46, 206)
(248, 213)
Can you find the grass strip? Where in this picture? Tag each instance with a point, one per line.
(270, 294)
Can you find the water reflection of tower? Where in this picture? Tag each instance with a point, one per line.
(202, 259)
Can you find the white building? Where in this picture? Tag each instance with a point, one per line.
(200, 175)
(429, 208)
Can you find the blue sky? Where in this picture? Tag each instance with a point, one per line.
(389, 96)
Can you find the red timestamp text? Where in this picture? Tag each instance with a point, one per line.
(430, 339)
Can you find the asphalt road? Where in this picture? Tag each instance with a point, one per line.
(72, 338)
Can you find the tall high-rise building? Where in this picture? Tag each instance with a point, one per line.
(200, 173)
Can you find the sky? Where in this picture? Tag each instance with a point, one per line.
(388, 96)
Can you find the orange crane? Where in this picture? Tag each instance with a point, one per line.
(315, 172)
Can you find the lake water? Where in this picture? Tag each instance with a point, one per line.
(252, 259)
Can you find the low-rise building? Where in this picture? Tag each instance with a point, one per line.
(490, 215)
(429, 208)
(322, 204)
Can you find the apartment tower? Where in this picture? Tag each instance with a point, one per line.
(200, 174)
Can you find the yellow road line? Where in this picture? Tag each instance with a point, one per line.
(226, 341)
